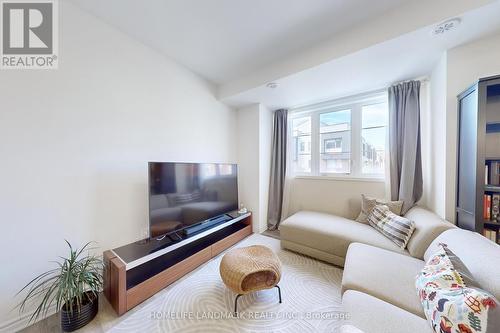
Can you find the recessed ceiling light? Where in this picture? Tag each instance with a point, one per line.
(272, 85)
(446, 26)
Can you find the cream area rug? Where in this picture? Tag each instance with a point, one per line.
(199, 302)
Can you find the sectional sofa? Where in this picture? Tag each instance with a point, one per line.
(378, 285)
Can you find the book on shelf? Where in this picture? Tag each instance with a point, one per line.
(487, 207)
(494, 176)
(486, 174)
(490, 234)
(495, 206)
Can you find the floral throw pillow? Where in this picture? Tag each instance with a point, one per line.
(450, 305)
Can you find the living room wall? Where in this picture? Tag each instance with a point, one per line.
(254, 161)
(465, 64)
(434, 183)
(339, 197)
(75, 144)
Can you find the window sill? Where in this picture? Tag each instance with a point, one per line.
(342, 178)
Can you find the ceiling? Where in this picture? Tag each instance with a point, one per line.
(222, 40)
(409, 56)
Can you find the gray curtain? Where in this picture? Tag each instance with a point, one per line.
(404, 143)
(278, 169)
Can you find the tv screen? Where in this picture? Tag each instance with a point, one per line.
(184, 194)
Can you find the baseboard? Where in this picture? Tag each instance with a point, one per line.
(22, 321)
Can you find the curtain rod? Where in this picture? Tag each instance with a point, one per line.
(422, 79)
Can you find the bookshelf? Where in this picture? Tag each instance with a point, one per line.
(492, 188)
(478, 158)
(491, 202)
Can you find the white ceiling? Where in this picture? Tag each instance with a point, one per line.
(409, 56)
(222, 40)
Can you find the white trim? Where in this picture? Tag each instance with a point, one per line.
(170, 248)
(356, 142)
(344, 177)
(315, 142)
(372, 96)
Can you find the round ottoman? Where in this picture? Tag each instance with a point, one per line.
(248, 269)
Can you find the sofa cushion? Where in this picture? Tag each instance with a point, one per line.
(373, 315)
(383, 274)
(331, 234)
(312, 252)
(397, 228)
(427, 227)
(368, 203)
(480, 255)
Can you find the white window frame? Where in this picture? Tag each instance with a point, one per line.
(355, 104)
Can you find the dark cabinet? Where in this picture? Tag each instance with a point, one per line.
(478, 146)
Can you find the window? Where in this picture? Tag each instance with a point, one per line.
(333, 127)
(373, 133)
(344, 138)
(301, 155)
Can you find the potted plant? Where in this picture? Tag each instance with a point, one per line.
(73, 288)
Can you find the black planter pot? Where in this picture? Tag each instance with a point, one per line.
(72, 321)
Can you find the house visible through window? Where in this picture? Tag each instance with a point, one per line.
(301, 154)
(333, 145)
(335, 126)
(373, 133)
(343, 138)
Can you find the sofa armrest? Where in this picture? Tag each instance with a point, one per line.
(427, 227)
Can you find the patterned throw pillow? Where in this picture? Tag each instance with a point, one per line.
(368, 203)
(450, 303)
(397, 228)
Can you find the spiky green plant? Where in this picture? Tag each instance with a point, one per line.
(66, 285)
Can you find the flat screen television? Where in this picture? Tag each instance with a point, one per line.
(184, 194)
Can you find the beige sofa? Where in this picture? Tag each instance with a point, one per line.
(378, 285)
(327, 237)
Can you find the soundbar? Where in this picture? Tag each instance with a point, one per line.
(189, 231)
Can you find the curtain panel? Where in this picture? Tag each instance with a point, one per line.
(404, 143)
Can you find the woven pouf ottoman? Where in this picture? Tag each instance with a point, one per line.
(248, 269)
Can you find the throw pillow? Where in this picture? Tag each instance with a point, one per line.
(368, 203)
(450, 304)
(397, 228)
(460, 267)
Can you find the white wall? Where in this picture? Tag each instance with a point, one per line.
(248, 161)
(265, 142)
(254, 156)
(425, 141)
(75, 142)
(434, 185)
(466, 64)
(339, 197)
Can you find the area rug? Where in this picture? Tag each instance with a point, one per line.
(200, 302)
